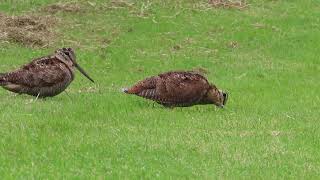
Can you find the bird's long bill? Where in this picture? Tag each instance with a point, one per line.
(83, 72)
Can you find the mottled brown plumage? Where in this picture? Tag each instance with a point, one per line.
(45, 76)
(179, 89)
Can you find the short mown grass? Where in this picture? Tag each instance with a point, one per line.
(265, 55)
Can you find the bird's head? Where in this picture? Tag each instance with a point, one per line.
(67, 56)
(217, 96)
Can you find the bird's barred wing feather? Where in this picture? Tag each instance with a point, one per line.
(45, 71)
(172, 88)
(183, 86)
(148, 83)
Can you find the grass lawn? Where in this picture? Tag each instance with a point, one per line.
(265, 55)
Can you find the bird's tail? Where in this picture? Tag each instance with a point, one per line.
(129, 90)
(125, 90)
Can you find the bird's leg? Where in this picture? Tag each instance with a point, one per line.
(34, 100)
(37, 97)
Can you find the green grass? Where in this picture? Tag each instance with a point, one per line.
(269, 128)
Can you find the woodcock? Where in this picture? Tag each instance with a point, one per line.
(179, 89)
(45, 76)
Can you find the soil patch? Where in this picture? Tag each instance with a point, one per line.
(27, 30)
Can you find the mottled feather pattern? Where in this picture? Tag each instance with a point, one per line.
(45, 76)
(177, 89)
(184, 87)
(148, 83)
(42, 72)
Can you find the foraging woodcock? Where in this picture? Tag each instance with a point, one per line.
(179, 89)
(44, 77)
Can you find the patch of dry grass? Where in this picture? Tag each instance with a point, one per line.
(63, 7)
(237, 4)
(28, 30)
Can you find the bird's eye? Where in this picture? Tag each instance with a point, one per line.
(67, 53)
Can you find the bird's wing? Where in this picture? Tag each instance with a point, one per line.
(45, 71)
(183, 86)
(146, 84)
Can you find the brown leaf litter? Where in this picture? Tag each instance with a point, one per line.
(28, 30)
(228, 4)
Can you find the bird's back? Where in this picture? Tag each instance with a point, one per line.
(173, 88)
(46, 76)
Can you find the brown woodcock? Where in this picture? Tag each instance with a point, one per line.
(44, 77)
(180, 88)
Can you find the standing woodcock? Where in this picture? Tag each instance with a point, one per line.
(179, 89)
(45, 76)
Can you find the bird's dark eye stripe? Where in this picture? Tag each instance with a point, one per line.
(67, 53)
